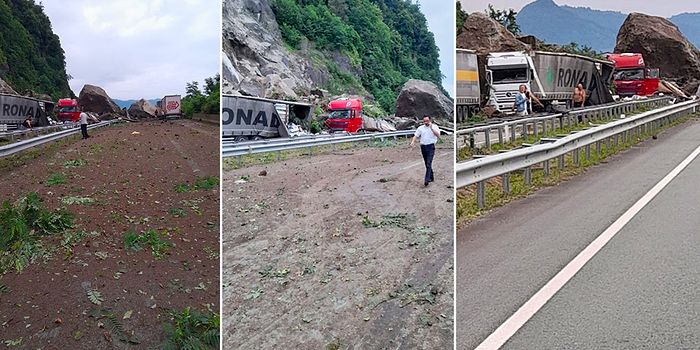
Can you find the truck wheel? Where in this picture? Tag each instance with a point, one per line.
(257, 138)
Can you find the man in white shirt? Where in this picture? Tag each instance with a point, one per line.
(83, 123)
(428, 133)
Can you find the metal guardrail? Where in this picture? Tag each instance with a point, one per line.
(236, 150)
(19, 146)
(478, 171)
(11, 135)
(507, 130)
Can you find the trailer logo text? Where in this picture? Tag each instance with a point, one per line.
(245, 117)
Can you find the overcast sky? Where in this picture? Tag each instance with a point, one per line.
(650, 7)
(137, 48)
(441, 21)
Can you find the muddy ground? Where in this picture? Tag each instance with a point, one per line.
(339, 251)
(131, 177)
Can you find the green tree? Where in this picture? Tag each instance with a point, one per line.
(506, 17)
(461, 17)
(196, 101)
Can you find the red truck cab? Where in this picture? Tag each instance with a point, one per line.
(632, 76)
(68, 110)
(345, 115)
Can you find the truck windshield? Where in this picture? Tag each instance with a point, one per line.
(512, 75)
(67, 109)
(629, 74)
(343, 114)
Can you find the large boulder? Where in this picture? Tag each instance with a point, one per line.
(484, 35)
(255, 61)
(142, 109)
(663, 46)
(5, 88)
(419, 98)
(94, 99)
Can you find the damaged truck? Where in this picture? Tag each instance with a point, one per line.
(551, 76)
(246, 118)
(14, 109)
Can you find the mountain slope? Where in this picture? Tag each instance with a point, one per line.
(386, 42)
(31, 57)
(585, 26)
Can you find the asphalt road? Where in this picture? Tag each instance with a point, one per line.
(638, 292)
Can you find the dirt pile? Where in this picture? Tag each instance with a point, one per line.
(419, 98)
(142, 109)
(5, 88)
(94, 99)
(663, 46)
(255, 61)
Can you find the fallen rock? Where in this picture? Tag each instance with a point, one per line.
(405, 123)
(662, 45)
(5, 88)
(483, 34)
(94, 99)
(419, 98)
(142, 109)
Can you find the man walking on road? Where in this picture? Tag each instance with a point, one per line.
(83, 123)
(428, 133)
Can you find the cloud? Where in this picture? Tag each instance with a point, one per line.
(137, 49)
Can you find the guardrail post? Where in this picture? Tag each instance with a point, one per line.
(561, 162)
(624, 137)
(487, 138)
(512, 133)
(528, 176)
(500, 135)
(506, 183)
(534, 128)
(279, 155)
(607, 143)
(238, 160)
(480, 195)
(568, 121)
(333, 146)
(545, 165)
(524, 129)
(311, 151)
(598, 147)
(588, 152)
(575, 155)
(617, 140)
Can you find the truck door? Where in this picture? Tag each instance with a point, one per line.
(651, 81)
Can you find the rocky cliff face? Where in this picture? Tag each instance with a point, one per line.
(256, 62)
(663, 46)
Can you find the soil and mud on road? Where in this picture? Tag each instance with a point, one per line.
(344, 250)
(142, 249)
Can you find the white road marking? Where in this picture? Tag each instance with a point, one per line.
(501, 335)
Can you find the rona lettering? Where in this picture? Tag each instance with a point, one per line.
(245, 117)
(571, 77)
(15, 110)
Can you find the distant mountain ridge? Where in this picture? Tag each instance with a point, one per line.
(594, 28)
(127, 103)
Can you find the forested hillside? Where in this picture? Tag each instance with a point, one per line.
(387, 41)
(31, 57)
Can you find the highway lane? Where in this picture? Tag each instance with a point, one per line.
(508, 255)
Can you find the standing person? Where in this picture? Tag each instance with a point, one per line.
(579, 98)
(428, 133)
(520, 103)
(27, 123)
(531, 97)
(83, 123)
